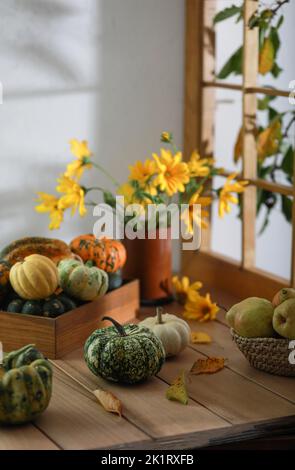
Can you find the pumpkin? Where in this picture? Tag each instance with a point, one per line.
(34, 278)
(171, 330)
(25, 385)
(4, 278)
(32, 307)
(53, 308)
(50, 247)
(125, 354)
(115, 280)
(106, 254)
(82, 281)
(15, 306)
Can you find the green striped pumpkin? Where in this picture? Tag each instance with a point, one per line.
(25, 385)
(125, 354)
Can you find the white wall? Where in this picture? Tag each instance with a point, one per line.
(109, 71)
(274, 246)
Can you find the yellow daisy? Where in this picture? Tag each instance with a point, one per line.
(49, 203)
(199, 167)
(142, 172)
(83, 162)
(191, 217)
(73, 195)
(183, 288)
(200, 308)
(226, 197)
(173, 173)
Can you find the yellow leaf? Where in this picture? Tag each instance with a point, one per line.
(109, 401)
(266, 57)
(207, 366)
(238, 150)
(198, 337)
(177, 390)
(268, 140)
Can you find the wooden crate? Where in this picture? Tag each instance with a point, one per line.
(56, 337)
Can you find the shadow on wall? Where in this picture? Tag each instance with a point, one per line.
(109, 71)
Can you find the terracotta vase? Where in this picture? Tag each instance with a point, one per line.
(150, 261)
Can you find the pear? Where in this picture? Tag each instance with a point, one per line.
(252, 318)
(284, 319)
(283, 294)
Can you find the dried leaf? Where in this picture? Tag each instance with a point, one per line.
(268, 140)
(266, 57)
(198, 337)
(177, 390)
(207, 366)
(109, 401)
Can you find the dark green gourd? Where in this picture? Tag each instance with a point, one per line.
(125, 354)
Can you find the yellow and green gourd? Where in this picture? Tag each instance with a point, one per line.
(25, 385)
(82, 281)
(125, 354)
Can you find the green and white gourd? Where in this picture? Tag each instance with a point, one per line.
(174, 332)
(126, 354)
(82, 281)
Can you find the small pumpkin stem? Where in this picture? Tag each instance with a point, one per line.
(159, 314)
(117, 325)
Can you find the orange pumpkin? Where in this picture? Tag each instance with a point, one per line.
(106, 254)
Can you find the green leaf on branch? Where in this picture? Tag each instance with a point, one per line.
(109, 199)
(280, 22)
(288, 162)
(263, 103)
(287, 207)
(233, 65)
(276, 70)
(227, 13)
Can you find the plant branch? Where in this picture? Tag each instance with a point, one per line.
(106, 173)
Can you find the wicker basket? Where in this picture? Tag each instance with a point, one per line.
(267, 354)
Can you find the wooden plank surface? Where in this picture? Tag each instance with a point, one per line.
(75, 420)
(237, 403)
(146, 406)
(26, 437)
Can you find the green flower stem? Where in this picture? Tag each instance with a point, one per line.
(94, 188)
(106, 173)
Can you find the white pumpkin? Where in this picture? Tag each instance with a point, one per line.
(172, 331)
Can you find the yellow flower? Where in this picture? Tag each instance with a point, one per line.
(80, 149)
(199, 167)
(173, 173)
(166, 137)
(83, 154)
(56, 217)
(49, 203)
(142, 171)
(131, 196)
(73, 195)
(226, 197)
(127, 191)
(200, 308)
(183, 289)
(190, 216)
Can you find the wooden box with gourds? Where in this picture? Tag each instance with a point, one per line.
(54, 295)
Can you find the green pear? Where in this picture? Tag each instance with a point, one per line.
(284, 319)
(252, 318)
(283, 294)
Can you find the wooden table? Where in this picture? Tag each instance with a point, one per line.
(236, 404)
